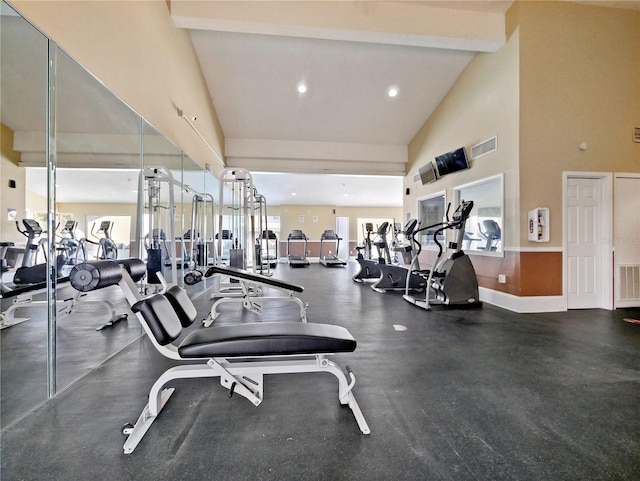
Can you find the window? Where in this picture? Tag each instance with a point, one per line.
(483, 232)
(431, 211)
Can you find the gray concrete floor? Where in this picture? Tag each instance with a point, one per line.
(461, 394)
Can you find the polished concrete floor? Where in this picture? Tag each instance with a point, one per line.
(450, 394)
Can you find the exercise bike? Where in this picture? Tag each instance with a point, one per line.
(451, 281)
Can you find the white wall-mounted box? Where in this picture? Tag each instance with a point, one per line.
(538, 225)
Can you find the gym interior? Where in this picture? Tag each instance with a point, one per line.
(481, 322)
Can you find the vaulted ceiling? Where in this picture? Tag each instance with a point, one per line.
(348, 55)
(343, 141)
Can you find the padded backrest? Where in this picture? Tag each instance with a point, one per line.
(183, 306)
(160, 316)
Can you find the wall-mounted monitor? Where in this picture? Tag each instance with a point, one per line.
(452, 161)
(427, 173)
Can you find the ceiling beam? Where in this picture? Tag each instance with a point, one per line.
(420, 24)
(266, 155)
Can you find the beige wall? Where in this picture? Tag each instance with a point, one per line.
(36, 203)
(579, 83)
(10, 198)
(568, 74)
(482, 103)
(81, 211)
(137, 52)
(290, 214)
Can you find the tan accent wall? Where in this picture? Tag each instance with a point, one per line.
(10, 198)
(290, 218)
(140, 55)
(527, 273)
(579, 76)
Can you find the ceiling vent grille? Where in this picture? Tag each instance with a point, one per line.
(483, 148)
(636, 134)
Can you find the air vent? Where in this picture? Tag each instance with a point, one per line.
(416, 178)
(629, 282)
(485, 147)
(636, 134)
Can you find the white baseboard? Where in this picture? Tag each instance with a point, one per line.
(523, 304)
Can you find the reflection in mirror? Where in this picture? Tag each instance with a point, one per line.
(98, 157)
(23, 105)
(158, 229)
(484, 227)
(97, 188)
(200, 236)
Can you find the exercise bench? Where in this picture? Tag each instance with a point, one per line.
(22, 298)
(250, 291)
(239, 354)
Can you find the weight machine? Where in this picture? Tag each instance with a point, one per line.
(202, 227)
(149, 200)
(264, 259)
(238, 201)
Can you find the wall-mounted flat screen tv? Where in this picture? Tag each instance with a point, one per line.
(427, 173)
(452, 161)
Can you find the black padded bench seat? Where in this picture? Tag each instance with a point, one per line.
(19, 289)
(250, 276)
(240, 355)
(267, 339)
(241, 340)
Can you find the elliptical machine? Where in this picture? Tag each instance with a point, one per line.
(369, 270)
(30, 272)
(394, 276)
(69, 246)
(107, 248)
(451, 281)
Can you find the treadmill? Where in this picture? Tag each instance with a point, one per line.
(296, 260)
(331, 260)
(268, 248)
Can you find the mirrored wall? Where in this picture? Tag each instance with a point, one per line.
(93, 180)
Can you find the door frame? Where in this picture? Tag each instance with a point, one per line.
(605, 179)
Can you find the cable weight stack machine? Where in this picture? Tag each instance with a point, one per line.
(160, 214)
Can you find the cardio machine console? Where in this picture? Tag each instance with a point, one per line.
(462, 212)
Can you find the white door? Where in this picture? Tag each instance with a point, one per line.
(583, 235)
(342, 229)
(626, 240)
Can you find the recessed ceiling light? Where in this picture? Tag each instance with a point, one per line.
(302, 88)
(393, 91)
(293, 193)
